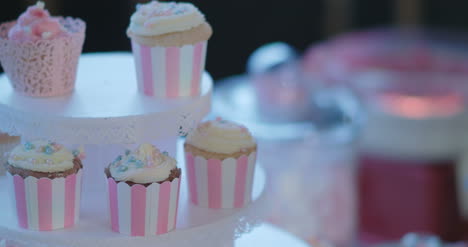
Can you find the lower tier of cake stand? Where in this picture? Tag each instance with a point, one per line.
(263, 235)
(195, 226)
(270, 236)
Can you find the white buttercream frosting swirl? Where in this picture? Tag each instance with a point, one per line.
(157, 18)
(144, 165)
(42, 156)
(221, 136)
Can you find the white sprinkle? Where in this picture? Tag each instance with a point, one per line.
(46, 35)
(40, 4)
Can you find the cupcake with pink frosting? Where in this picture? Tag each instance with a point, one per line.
(40, 53)
(143, 192)
(169, 42)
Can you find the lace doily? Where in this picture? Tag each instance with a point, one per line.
(43, 68)
(105, 108)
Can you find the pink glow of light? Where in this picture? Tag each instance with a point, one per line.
(418, 107)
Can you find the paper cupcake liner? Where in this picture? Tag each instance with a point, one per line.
(143, 211)
(43, 68)
(219, 184)
(46, 204)
(169, 72)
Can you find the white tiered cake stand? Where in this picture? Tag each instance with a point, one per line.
(107, 113)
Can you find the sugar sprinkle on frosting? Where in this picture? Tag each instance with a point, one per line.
(36, 24)
(146, 164)
(43, 156)
(157, 18)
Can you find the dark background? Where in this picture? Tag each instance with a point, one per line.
(242, 26)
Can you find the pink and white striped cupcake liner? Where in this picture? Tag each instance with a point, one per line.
(219, 184)
(143, 211)
(46, 204)
(169, 72)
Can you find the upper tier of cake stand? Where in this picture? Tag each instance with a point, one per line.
(105, 108)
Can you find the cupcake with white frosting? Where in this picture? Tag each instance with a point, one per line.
(54, 174)
(169, 42)
(43, 159)
(143, 191)
(220, 159)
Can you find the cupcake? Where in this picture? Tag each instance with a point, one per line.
(40, 53)
(143, 192)
(220, 158)
(169, 42)
(46, 180)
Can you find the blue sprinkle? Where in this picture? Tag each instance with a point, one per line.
(29, 146)
(123, 168)
(119, 158)
(48, 150)
(131, 159)
(166, 153)
(127, 152)
(76, 152)
(139, 164)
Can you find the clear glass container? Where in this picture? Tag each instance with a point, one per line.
(408, 153)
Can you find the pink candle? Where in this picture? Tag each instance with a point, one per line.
(407, 154)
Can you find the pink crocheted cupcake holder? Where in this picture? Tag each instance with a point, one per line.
(43, 68)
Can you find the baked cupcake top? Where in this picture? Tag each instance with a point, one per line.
(157, 18)
(144, 165)
(221, 136)
(43, 156)
(36, 24)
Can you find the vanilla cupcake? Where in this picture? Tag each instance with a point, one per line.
(220, 158)
(169, 42)
(143, 192)
(54, 174)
